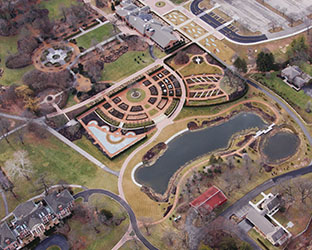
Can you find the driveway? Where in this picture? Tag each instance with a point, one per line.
(54, 240)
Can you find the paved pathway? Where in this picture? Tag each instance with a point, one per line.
(83, 32)
(13, 130)
(5, 203)
(86, 194)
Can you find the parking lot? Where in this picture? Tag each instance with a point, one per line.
(252, 14)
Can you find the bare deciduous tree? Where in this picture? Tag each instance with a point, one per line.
(19, 166)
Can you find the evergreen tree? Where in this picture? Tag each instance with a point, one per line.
(241, 64)
(265, 61)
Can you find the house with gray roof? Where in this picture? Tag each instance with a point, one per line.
(142, 21)
(295, 77)
(274, 233)
(31, 220)
(271, 204)
(61, 203)
(8, 241)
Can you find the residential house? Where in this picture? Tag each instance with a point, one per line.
(295, 77)
(8, 241)
(60, 203)
(272, 204)
(143, 22)
(209, 200)
(274, 233)
(31, 220)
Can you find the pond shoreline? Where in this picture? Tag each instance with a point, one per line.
(170, 185)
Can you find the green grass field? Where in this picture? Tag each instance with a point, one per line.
(95, 36)
(8, 46)
(203, 68)
(255, 235)
(55, 161)
(125, 65)
(297, 99)
(54, 7)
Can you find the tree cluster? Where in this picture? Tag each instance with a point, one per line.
(94, 69)
(181, 58)
(22, 58)
(265, 61)
(240, 64)
(298, 50)
(15, 14)
(39, 80)
(75, 15)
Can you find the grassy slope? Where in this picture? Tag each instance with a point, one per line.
(54, 7)
(125, 65)
(100, 34)
(298, 97)
(57, 163)
(8, 46)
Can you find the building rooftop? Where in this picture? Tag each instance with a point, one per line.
(212, 198)
(256, 218)
(24, 209)
(6, 236)
(56, 200)
(271, 203)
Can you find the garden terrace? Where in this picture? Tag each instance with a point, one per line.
(136, 105)
(55, 57)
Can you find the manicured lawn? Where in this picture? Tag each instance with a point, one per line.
(95, 36)
(135, 95)
(54, 7)
(54, 161)
(306, 68)
(255, 235)
(53, 248)
(297, 99)
(125, 65)
(8, 46)
(203, 68)
(114, 163)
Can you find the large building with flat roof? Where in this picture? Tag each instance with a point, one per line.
(143, 22)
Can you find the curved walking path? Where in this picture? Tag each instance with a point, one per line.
(86, 194)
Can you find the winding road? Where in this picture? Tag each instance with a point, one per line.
(264, 186)
(86, 194)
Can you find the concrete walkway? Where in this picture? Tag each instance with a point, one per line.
(5, 203)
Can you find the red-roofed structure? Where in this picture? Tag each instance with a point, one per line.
(209, 200)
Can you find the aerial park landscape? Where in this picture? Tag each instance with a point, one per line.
(155, 124)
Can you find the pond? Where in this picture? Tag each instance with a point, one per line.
(191, 145)
(280, 146)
